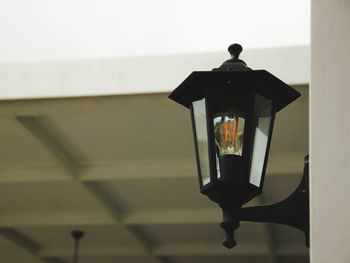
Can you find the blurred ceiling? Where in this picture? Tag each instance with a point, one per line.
(122, 169)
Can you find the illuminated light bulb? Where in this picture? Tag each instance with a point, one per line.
(228, 132)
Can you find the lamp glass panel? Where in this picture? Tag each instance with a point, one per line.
(263, 108)
(200, 123)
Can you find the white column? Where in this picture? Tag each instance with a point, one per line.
(330, 131)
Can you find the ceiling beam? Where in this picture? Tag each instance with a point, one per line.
(111, 207)
(165, 216)
(37, 173)
(217, 249)
(172, 216)
(137, 218)
(139, 170)
(209, 250)
(20, 240)
(64, 159)
(127, 170)
(286, 165)
(169, 250)
(268, 237)
(61, 218)
(84, 105)
(87, 178)
(42, 133)
(86, 251)
(29, 246)
(292, 250)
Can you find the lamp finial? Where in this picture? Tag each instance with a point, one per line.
(235, 50)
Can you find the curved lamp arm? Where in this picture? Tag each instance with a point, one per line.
(292, 211)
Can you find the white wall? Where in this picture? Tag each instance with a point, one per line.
(330, 131)
(36, 30)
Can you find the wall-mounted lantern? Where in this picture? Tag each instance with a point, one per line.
(233, 109)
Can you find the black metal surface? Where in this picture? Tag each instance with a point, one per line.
(235, 50)
(292, 211)
(236, 90)
(77, 235)
(233, 87)
(199, 83)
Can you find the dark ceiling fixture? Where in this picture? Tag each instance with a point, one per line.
(233, 109)
(76, 235)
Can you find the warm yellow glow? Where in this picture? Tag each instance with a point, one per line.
(228, 132)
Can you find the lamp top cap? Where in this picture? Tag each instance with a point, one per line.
(234, 63)
(234, 70)
(235, 50)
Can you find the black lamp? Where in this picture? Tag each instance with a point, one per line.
(233, 109)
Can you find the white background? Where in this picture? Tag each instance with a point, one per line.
(37, 30)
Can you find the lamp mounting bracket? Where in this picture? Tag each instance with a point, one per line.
(292, 211)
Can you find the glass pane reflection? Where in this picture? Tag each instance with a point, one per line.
(200, 123)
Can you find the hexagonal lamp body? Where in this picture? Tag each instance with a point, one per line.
(232, 109)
